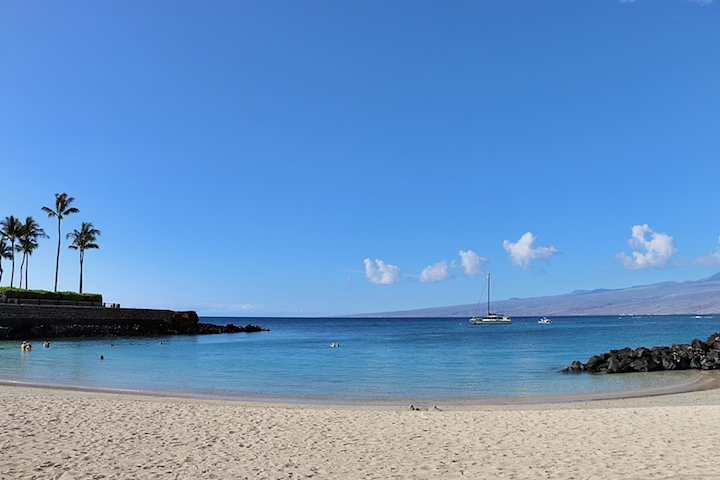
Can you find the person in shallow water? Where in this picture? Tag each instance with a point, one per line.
(26, 346)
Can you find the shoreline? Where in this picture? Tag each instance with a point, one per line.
(50, 433)
(703, 381)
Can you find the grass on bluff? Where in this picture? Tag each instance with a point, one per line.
(8, 292)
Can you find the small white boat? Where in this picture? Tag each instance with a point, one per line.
(491, 318)
(544, 321)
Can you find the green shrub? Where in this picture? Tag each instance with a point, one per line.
(8, 292)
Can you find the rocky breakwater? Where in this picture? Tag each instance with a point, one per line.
(188, 323)
(23, 322)
(696, 355)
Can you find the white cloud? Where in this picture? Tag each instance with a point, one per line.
(225, 308)
(522, 254)
(435, 273)
(471, 263)
(712, 258)
(656, 252)
(383, 274)
(243, 307)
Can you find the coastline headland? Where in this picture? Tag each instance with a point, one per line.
(20, 322)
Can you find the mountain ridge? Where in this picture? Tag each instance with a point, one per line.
(699, 297)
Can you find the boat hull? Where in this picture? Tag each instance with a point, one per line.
(504, 320)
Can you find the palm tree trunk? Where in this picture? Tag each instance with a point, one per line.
(12, 272)
(27, 265)
(57, 259)
(22, 264)
(82, 254)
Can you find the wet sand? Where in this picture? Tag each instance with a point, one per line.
(53, 433)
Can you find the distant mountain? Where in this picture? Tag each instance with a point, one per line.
(667, 298)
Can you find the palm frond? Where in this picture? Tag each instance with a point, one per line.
(50, 212)
(62, 206)
(5, 249)
(84, 238)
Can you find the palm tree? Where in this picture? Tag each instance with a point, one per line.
(83, 240)
(18, 249)
(30, 231)
(5, 252)
(62, 208)
(10, 230)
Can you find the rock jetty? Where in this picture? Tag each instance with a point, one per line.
(20, 322)
(697, 355)
(188, 323)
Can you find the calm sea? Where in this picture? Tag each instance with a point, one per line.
(379, 360)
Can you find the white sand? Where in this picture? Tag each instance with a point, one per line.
(65, 434)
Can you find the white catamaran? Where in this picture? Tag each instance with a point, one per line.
(491, 318)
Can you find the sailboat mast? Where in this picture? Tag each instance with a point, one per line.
(488, 294)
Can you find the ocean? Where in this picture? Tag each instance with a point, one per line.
(379, 360)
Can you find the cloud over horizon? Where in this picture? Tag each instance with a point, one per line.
(523, 255)
(712, 258)
(435, 273)
(382, 273)
(654, 253)
(471, 263)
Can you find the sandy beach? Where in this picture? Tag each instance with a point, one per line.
(63, 434)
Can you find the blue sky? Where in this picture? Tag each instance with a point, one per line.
(326, 158)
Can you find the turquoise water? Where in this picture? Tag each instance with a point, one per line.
(379, 360)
